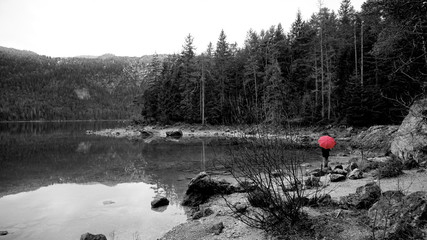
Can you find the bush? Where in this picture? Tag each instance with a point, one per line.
(391, 168)
(276, 197)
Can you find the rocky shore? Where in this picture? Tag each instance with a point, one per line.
(375, 187)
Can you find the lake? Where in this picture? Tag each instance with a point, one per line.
(57, 182)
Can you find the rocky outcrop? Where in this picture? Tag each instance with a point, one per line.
(89, 236)
(159, 202)
(410, 141)
(376, 139)
(364, 197)
(202, 187)
(395, 216)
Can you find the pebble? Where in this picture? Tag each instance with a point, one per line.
(108, 202)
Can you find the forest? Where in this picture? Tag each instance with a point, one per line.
(353, 68)
(35, 87)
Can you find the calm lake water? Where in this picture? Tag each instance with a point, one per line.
(56, 182)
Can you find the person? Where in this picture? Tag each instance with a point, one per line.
(325, 154)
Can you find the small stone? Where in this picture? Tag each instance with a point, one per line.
(217, 228)
(355, 174)
(207, 212)
(338, 167)
(197, 215)
(339, 171)
(351, 167)
(89, 236)
(336, 177)
(159, 202)
(108, 202)
(240, 207)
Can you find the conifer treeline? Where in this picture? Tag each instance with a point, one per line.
(357, 68)
(34, 87)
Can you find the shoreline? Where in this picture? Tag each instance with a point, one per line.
(410, 181)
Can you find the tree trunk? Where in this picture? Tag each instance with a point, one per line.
(361, 54)
(355, 50)
(321, 71)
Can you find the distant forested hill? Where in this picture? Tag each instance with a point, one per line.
(35, 87)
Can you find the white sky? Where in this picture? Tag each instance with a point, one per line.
(66, 28)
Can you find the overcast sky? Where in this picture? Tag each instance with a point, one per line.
(66, 28)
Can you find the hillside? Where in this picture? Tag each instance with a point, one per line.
(36, 87)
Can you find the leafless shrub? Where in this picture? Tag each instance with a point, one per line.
(272, 167)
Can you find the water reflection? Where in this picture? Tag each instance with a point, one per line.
(45, 170)
(66, 211)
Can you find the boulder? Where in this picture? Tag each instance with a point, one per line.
(355, 174)
(398, 217)
(159, 202)
(3, 233)
(410, 141)
(336, 177)
(202, 187)
(174, 134)
(381, 211)
(364, 197)
(89, 236)
(376, 139)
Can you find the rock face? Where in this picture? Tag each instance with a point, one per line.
(398, 217)
(159, 202)
(88, 236)
(202, 187)
(376, 139)
(364, 197)
(410, 141)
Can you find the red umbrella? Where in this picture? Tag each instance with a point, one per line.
(326, 142)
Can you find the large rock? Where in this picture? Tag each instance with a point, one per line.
(89, 236)
(364, 197)
(202, 187)
(376, 139)
(410, 141)
(399, 217)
